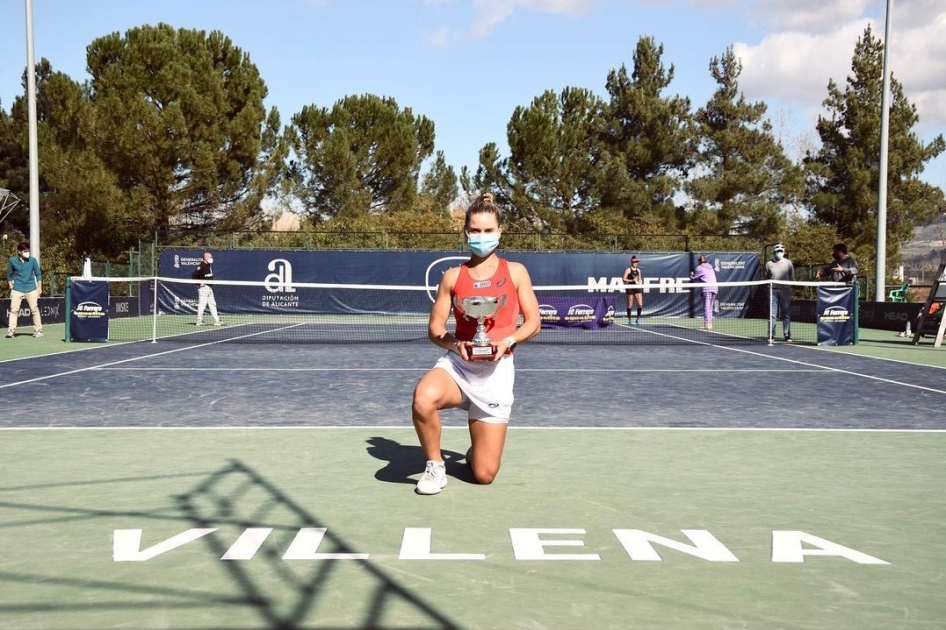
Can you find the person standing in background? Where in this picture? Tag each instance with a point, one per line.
(205, 294)
(844, 268)
(780, 269)
(633, 276)
(25, 280)
(704, 273)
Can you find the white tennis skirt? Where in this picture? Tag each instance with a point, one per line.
(486, 385)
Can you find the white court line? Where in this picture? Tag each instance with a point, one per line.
(254, 369)
(836, 351)
(424, 369)
(112, 344)
(810, 365)
(695, 342)
(466, 429)
(837, 370)
(147, 356)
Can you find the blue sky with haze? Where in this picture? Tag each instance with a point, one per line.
(467, 64)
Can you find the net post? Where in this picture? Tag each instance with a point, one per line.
(154, 312)
(771, 322)
(857, 313)
(68, 308)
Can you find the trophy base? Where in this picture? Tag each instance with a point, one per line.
(482, 353)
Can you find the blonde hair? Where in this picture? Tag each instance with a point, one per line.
(483, 204)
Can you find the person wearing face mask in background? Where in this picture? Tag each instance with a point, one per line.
(205, 294)
(780, 269)
(484, 388)
(25, 280)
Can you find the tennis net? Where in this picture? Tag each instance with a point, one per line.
(259, 312)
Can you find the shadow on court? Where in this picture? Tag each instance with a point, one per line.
(240, 496)
(404, 460)
(275, 586)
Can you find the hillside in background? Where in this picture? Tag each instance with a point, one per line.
(924, 253)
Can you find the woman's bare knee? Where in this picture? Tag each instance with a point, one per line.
(424, 404)
(485, 474)
(434, 392)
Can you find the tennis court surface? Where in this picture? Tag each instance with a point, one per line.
(221, 485)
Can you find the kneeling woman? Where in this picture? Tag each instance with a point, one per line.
(482, 387)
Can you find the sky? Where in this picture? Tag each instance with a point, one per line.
(467, 64)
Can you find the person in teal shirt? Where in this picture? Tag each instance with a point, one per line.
(25, 280)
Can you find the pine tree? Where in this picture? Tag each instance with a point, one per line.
(491, 176)
(648, 139)
(842, 177)
(363, 155)
(744, 181)
(554, 151)
(439, 185)
(179, 118)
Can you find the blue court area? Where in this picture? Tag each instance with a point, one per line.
(228, 485)
(220, 384)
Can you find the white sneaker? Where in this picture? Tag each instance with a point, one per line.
(200, 323)
(217, 323)
(38, 333)
(434, 478)
(10, 334)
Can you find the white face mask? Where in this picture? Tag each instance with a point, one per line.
(25, 255)
(210, 261)
(778, 255)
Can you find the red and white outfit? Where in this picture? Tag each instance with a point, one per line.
(486, 385)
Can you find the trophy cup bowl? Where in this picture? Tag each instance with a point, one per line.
(480, 308)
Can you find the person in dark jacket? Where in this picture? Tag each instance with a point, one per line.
(843, 269)
(205, 293)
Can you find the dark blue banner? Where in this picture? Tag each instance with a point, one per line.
(279, 270)
(595, 311)
(88, 317)
(836, 315)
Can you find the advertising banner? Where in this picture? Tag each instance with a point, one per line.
(592, 273)
(836, 313)
(88, 319)
(591, 312)
(52, 310)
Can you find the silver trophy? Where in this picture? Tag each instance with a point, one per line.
(480, 308)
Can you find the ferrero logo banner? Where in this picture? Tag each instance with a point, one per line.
(837, 307)
(576, 312)
(88, 316)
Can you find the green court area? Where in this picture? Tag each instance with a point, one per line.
(320, 528)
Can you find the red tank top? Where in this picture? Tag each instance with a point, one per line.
(507, 318)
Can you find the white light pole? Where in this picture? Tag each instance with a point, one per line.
(881, 283)
(34, 144)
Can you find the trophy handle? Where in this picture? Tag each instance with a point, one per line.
(459, 306)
